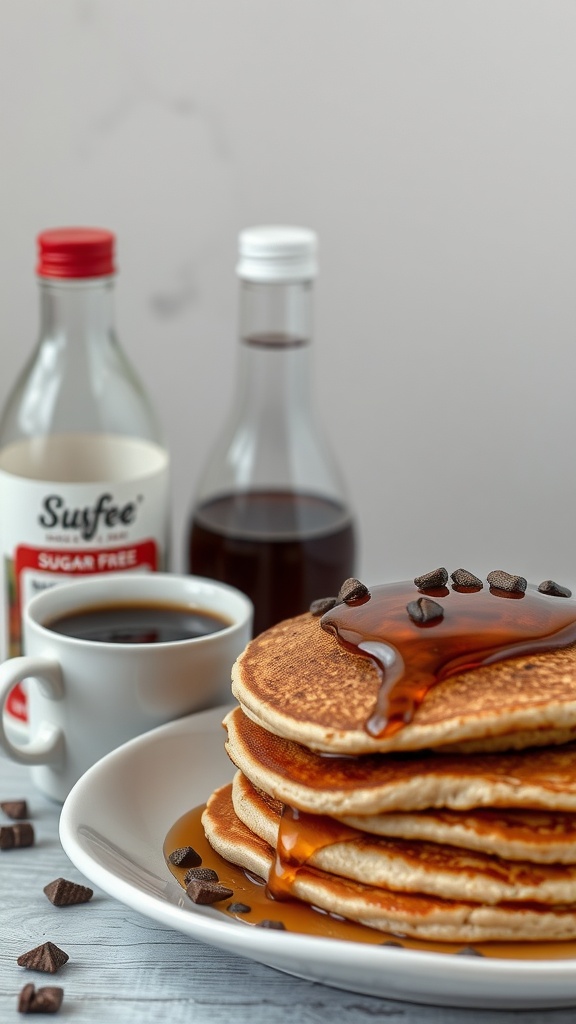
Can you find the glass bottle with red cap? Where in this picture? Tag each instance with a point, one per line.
(83, 469)
(271, 513)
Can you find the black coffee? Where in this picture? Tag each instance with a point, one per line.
(137, 623)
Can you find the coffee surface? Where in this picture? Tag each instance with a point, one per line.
(137, 623)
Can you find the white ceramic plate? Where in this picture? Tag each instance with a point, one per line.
(113, 826)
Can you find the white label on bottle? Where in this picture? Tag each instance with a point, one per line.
(107, 512)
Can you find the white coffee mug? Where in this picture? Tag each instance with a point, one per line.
(86, 697)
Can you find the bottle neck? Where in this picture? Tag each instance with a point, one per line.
(272, 440)
(78, 380)
(274, 361)
(77, 311)
(278, 313)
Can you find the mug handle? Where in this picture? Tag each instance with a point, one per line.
(48, 743)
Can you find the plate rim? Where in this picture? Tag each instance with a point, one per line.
(277, 950)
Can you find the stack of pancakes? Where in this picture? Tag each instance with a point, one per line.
(460, 826)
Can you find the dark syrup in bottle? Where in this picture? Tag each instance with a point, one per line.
(284, 549)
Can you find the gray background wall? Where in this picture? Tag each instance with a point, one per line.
(432, 145)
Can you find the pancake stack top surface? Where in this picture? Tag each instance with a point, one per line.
(406, 758)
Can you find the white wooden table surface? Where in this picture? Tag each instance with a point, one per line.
(126, 969)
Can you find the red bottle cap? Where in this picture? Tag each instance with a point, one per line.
(75, 252)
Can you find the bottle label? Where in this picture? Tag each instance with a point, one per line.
(53, 532)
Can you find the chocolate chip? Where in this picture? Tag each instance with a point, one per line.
(23, 834)
(16, 836)
(46, 957)
(63, 893)
(424, 610)
(352, 590)
(25, 998)
(278, 926)
(435, 578)
(207, 892)
(554, 589)
(16, 809)
(464, 578)
(505, 581)
(239, 908)
(6, 837)
(185, 857)
(47, 1000)
(323, 604)
(42, 1000)
(202, 874)
(469, 951)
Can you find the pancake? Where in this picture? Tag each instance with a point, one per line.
(398, 864)
(299, 681)
(544, 778)
(407, 760)
(412, 914)
(540, 837)
(511, 741)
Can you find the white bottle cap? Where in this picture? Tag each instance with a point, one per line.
(275, 252)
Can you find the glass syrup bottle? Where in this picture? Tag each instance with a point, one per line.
(84, 474)
(271, 515)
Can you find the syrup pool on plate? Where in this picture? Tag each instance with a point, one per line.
(299, 917)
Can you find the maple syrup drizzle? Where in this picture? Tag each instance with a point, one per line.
(308, 920)
(479, 627)
(300, 836)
